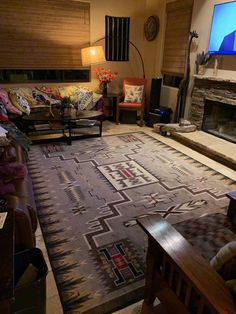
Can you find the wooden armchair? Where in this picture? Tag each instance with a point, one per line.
(182, 280)
(134, 105)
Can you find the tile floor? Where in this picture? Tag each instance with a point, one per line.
(53, 301)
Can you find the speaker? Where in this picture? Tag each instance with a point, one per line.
(155, 94)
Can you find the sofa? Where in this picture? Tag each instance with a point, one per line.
(16, 189)
(14, 103)
(17, 101)
(24, 105)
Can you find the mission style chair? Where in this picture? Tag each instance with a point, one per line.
(181, 278)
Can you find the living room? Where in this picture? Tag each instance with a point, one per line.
(89, 195)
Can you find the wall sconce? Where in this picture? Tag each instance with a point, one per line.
(92, 55)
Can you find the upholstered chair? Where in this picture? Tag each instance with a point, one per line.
(133, 97)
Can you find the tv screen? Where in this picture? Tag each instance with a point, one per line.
(223, 29)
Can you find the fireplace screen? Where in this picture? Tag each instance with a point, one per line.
(220, 120)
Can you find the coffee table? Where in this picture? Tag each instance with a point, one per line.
(41, 125)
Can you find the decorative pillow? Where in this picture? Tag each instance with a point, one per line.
(231, 284)
(96, 103)
(52, 92)
(83, 98)
(7, 102)
(43, 99)
(68, 91)
(26, 92)
(225, 254)
(133, 93)
(19, 102)
(3, 112)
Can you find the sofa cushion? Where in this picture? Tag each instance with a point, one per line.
(3, 112)
(83, 98)
(19, 102)
(225, 254)
(26, 92)
(52, 92)
(68, 91)
(7, 102)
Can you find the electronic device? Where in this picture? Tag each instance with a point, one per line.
(223, 29)
(157, 114)
(155, 94)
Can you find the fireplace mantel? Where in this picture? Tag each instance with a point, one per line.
(212, 88)
(215, 78)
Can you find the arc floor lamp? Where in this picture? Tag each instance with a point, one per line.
(95, 55)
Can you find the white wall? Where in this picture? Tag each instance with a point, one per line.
(151, 51)
(130, 8)
(201, 22)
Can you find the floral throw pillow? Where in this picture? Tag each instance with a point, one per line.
(83, 98)
(52, 92)
(133, 93)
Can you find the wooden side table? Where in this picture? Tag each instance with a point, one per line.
(112, 99)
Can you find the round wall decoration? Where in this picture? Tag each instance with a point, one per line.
(151, 27)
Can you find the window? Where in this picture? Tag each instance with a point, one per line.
(31, 76)
(43, 34)
(171, 80)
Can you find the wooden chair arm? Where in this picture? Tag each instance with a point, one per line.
(175, 273)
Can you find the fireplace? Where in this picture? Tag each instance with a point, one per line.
(220, 119)
(213, 108)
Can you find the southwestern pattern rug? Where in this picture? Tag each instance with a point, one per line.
(89, 196)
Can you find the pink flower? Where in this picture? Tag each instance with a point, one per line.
(105, 75)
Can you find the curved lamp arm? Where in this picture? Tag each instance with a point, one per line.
(141, 58)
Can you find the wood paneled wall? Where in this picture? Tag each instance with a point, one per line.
(179, 14)
(43, 34)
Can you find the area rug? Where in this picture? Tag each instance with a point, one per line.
(88, 197)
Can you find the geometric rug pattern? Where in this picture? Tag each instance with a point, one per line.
(89, 195)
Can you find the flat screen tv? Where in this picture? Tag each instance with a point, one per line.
(223, 29)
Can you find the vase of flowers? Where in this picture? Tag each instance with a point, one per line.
(104, 76)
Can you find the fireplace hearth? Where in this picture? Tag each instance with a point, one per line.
(213, 108)
(219, 119)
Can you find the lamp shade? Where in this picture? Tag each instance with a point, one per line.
(92, 55)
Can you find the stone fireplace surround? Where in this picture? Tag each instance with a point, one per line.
(219, 90)
(210, 88)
